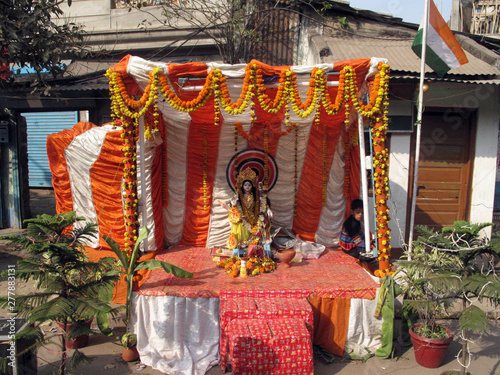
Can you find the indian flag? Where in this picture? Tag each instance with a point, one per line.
(443, 51)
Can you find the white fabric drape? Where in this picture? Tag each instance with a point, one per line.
(176, 335)
(80, 156)
(150, 149)
(364, 332)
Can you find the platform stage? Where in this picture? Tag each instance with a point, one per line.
(177, 320)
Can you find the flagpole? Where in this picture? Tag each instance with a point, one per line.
(364, 181)
(419, 126)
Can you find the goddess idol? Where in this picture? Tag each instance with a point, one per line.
(250, 217)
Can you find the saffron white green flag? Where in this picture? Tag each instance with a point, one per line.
(443, 50)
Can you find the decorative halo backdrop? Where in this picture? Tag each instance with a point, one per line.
(255, 159)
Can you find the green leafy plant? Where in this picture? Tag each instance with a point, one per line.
(457, 264)
(129, 265)
(69, 288)
(32, 36)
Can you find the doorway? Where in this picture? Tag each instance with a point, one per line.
(445, 166)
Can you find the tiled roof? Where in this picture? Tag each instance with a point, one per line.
(399, 54)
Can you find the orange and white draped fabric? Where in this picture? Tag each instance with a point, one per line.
(180, 210)
(86, 164)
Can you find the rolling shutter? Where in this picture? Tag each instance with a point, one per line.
(39, 126)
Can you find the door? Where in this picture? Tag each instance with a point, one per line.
(444, 168)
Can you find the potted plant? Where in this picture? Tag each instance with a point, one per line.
(69, 288)
(129, 267)
(453, 267)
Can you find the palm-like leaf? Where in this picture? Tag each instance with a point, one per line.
(132, 265)
(70, 288)
(474, 319)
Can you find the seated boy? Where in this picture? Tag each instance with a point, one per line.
(352, 238)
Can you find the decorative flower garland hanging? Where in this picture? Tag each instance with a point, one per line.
(205, 167)
(266, 158)
(129, 184)
(295, 170)
(127, 109)
(124, 105)
(325, 162)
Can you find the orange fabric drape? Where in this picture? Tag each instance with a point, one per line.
(197, 217)
(56, 144)
(156, 197)
(310, 195)
(273, 120)
(106, 177)
(331, 322)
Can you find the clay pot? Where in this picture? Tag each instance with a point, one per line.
(286, 256)
(77, 342)
(130, 354)
(430, 353)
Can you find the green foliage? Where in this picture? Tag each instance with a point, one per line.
(32, 39)
(457, 264)
(130, 265)
(344, 23)
(69, 287)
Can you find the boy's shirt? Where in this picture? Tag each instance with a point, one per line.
(351, 235)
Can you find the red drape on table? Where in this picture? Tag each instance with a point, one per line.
(310, 194)
(56, 144)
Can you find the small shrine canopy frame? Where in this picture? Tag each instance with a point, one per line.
(194, 118)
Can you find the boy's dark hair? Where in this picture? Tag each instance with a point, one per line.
(356, 203)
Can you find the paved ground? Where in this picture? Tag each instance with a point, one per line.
(485, 358)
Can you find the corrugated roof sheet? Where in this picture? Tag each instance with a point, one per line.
(399, 53)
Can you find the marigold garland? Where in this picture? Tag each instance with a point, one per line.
(254, 266)
(295, 170)
(205, 167)
(266, 158)
(325, 162)
(129, 182)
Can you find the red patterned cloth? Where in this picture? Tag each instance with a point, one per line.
(276, 346)
(292, 347)
(249, 347)
(333, 275)
(263, 309)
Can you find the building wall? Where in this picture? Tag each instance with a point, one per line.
(399, 167)
(470, 98)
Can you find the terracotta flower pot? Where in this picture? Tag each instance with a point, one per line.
(286, 256)
(130, 354)
(430, 353)
(76, 342)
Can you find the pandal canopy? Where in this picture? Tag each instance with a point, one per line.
(200, 118)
